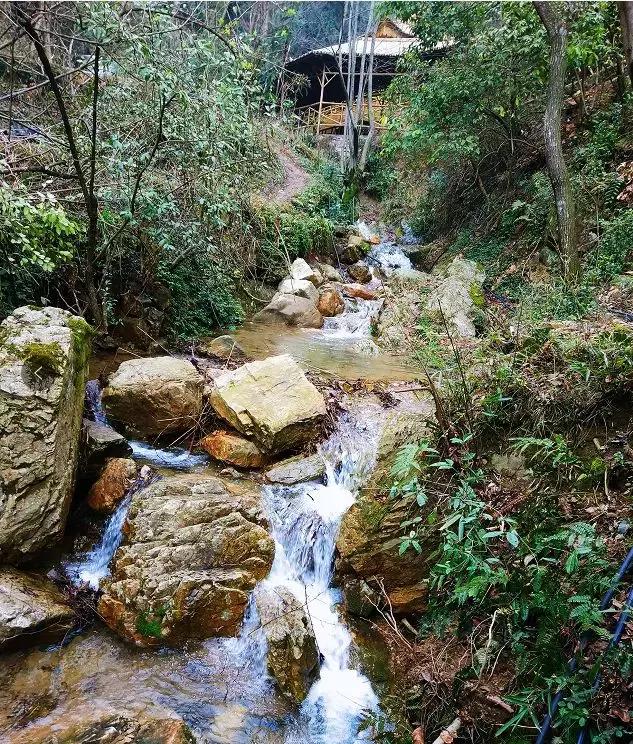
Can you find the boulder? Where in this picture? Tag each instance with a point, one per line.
(43, 370)
(270, 401)
(458, 295)
(330, 274)
(290, 310)
(356, 249)
(117, 476)
(331, 302)
(298, 469)
(99, 443)
(222, 347)
(193, 549)
(229, 447)
(32, 611)
(299, 287)
(360, 272)
(300, 269)
(292, 655)
(155, 396)
(358, 291)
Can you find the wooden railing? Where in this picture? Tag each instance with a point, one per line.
(328, 117)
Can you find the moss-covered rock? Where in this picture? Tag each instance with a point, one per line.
(43, 370)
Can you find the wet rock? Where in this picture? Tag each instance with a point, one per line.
(222, 347)
(270, 401)
(290, 310)
(356, 249)
(155, 395)
(369, 538)
(117, 476)
(360, 272)
(401, 311)
(299, 287)
(100, 442)
(359, 291)
(32, 611)
(297, 470)
(330, 274)
(228, 447)
(92, 724)
(293, 658)
(331, 302)
(300, 269)
(194, 547)
(43, 370)
(458, 296)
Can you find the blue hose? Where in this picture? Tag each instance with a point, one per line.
(584, 640)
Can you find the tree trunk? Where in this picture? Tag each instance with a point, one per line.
(552, 16)
(625, 10)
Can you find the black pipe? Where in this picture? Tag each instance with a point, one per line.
(584, 640)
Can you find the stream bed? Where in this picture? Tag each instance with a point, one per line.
(221, 687)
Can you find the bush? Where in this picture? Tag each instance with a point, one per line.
(36, 236)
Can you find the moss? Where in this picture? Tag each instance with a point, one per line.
(150, 624)
(477, 295)
(82, 333)
(43, 359)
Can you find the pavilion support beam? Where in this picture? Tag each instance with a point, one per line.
(318, 130)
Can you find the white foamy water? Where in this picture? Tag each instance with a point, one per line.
(388, 257)
(305, 520)
(175, 458)
(89, 568)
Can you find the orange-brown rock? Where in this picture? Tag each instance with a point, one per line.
(357, 290)
(234, 449)
(330, 302)
(116, 478)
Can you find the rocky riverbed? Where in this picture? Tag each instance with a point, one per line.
(235, 492)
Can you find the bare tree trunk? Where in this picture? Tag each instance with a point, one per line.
(370, 104)
(87, 186)
(625, 11)
(553, 18)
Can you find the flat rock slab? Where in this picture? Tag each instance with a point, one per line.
(43, 370)
(270, 401)
(155, 395)
(32, 611)
(297, 470)
(193, 550)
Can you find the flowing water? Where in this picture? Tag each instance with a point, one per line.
(221, 687)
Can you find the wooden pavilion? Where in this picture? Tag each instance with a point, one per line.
(321, 103)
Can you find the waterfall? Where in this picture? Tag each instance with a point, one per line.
(94, 565)
(305, 520)
(388, 257)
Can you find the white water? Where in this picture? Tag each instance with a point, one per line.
(388, 257)
(175, 458)
(93, 566)
(305, 520)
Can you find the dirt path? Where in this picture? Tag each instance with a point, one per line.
(295, 180)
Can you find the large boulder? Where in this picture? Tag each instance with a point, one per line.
(222, 347)
(118, 475)
(194, 547)
(458, 296)
(330, 302)
(292, 654)
(32, 611)
(360, 272)
(290, 310)
(270, 401)
(43, 370)
(330, 274)
(301, 270)
(371, 530)
(154, 396)
(299, 287)
(234, 449)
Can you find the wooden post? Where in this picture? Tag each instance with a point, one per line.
(321, 100)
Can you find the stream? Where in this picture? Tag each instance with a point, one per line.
(221, 687)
